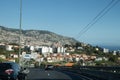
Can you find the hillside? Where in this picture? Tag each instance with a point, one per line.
(33, 37)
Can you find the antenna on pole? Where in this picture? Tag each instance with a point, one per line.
(20, 24)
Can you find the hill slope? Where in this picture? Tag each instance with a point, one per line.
(33, 37)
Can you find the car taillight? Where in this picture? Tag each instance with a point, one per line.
(9, 71)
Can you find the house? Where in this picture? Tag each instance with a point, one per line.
(9, 47)
(2, 56)
(49, 59)
(99, 59)
(69, 64)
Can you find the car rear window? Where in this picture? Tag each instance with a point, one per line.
(4, 66)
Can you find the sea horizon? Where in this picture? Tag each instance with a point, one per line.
(111, 48)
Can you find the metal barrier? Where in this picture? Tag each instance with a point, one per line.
(102, 73)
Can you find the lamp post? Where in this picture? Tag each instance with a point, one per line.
(20, 24)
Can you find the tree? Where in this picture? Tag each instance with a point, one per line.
(113, 58)
(78, 44)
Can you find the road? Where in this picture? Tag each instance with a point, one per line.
(41, 74)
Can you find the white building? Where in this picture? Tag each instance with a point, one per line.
(44, 49)
(114, 52)
(34, 55)
(47, 49)
(32, 48)
(105, 50)
(60, 50)
(9, 47)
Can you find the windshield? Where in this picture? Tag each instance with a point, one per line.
(61, 39)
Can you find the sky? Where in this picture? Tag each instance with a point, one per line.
(65, 17)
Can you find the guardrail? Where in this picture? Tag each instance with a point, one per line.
(114, 69)
(102, 73)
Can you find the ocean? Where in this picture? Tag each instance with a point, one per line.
(112, 48)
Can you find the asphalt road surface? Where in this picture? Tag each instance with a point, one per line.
(41, 74)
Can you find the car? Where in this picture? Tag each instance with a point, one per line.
(49, 67)
(11, 71)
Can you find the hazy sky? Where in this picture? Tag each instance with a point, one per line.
(65, 17)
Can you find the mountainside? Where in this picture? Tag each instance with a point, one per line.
(33, 37)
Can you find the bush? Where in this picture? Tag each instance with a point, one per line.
(2, 60)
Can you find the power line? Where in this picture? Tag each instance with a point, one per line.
(98, 17)
(95, 18)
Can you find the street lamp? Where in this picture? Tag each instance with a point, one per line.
(20, 24)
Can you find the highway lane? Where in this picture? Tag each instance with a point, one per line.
(41, 74)
(76, 76)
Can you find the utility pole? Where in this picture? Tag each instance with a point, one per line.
(20, 24)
